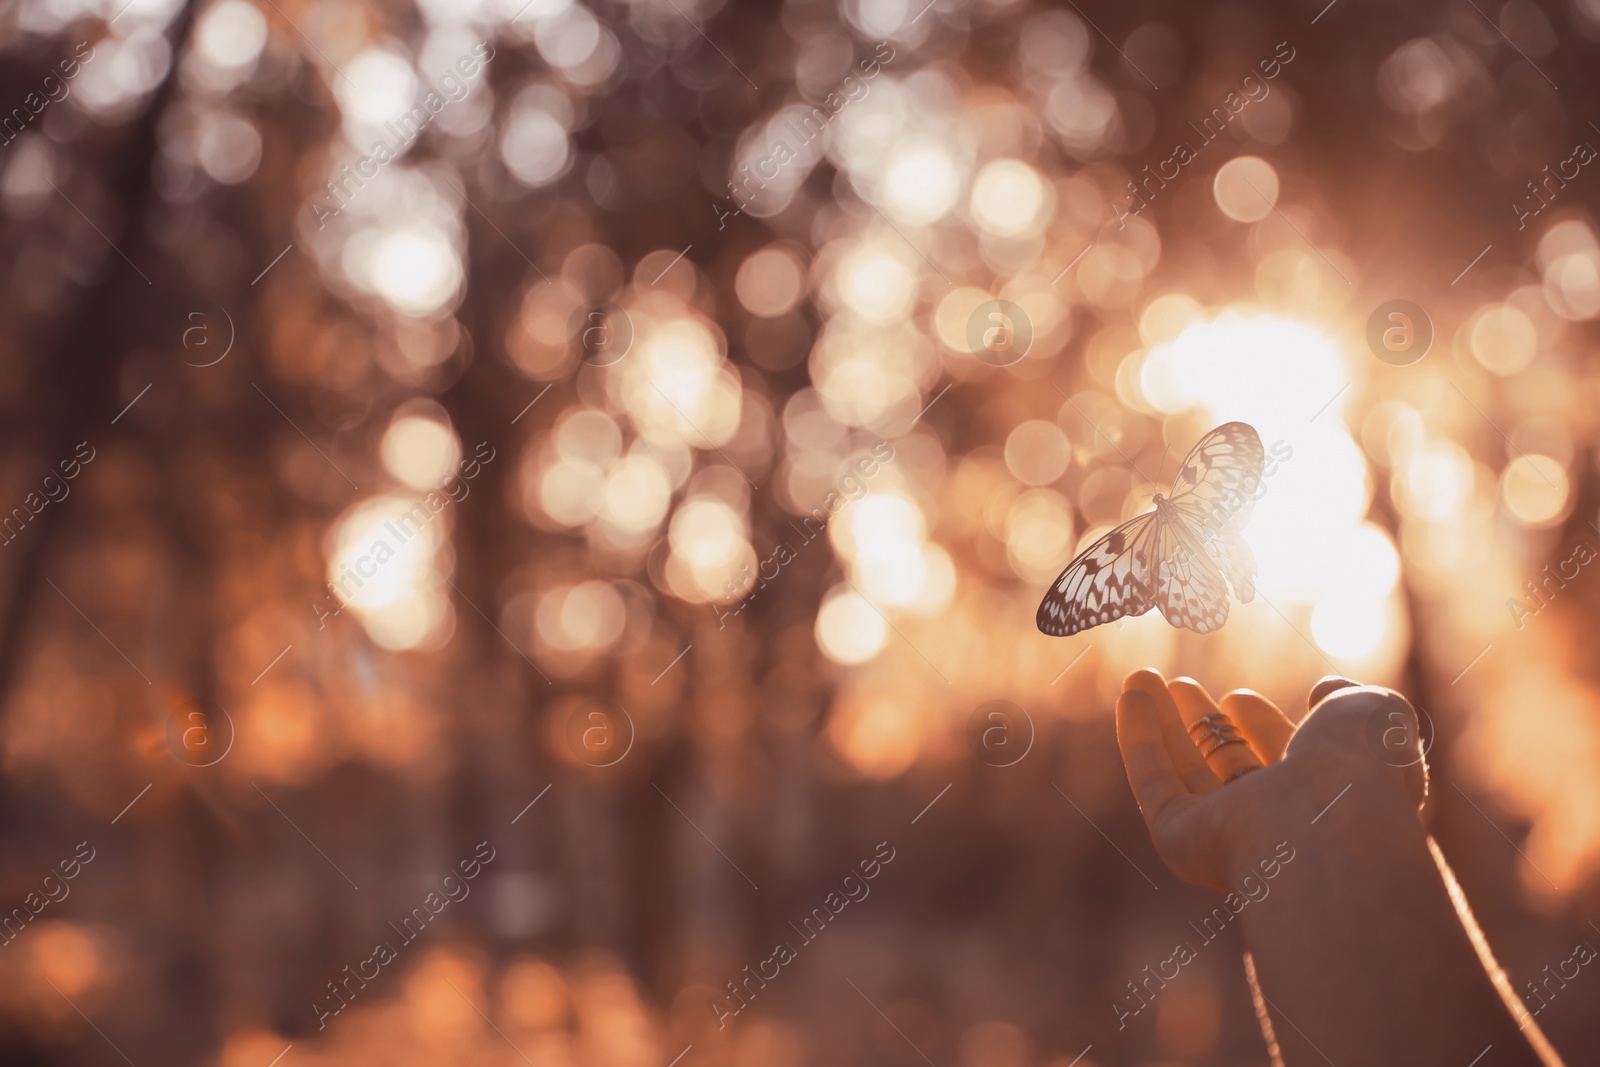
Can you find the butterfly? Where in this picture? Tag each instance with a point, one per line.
(1181, 557)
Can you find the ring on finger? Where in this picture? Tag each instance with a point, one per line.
(1213, 732)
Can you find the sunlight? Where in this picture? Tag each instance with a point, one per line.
(1275, 373)
(830, 368)
(922, 183)
(415, 269)
(385, 565)
(680, 388)
(876, 283)
(849, 630)
(1289, 380)
(1009, 198)
(419, 449)
(378, 87)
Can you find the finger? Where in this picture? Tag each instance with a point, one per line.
(1186, 759)
(1151, 773)
(1331, 683)
(1386, 722)
(1266, 728)
(1225, 749)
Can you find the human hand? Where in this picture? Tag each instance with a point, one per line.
(1208, 812)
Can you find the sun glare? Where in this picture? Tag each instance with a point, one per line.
(385, 565)
(1288, 379)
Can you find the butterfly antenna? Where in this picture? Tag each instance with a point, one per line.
(1163, 462)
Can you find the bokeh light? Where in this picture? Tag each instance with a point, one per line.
(471, 379)
(849, 629)
(1246, 188)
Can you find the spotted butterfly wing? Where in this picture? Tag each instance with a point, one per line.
(1215, 491)
(1112, 578)
(1191, 589)
(1180, 558)
(1216, 484)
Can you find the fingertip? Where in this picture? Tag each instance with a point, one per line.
(1253, 698)
(1264, 724)
(1238, 698)
(1147, 679)
(1187, 683)
(1329, 684)
(1193, 702)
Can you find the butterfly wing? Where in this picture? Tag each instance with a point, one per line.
(1216, 485)
(1230, 552)
(1181, 560)
(1191, 590)
(1112, 578)
(1214, 493)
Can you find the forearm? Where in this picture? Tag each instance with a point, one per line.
(1359, 952)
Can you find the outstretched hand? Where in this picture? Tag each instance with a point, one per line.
(1206, 811)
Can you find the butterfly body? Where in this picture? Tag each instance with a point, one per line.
(1181, 558)
(1181, 526)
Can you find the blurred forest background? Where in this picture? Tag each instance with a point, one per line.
(580, 374)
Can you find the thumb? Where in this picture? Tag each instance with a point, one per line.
(1363, 725)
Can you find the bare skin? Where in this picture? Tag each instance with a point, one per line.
(1359, 955)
